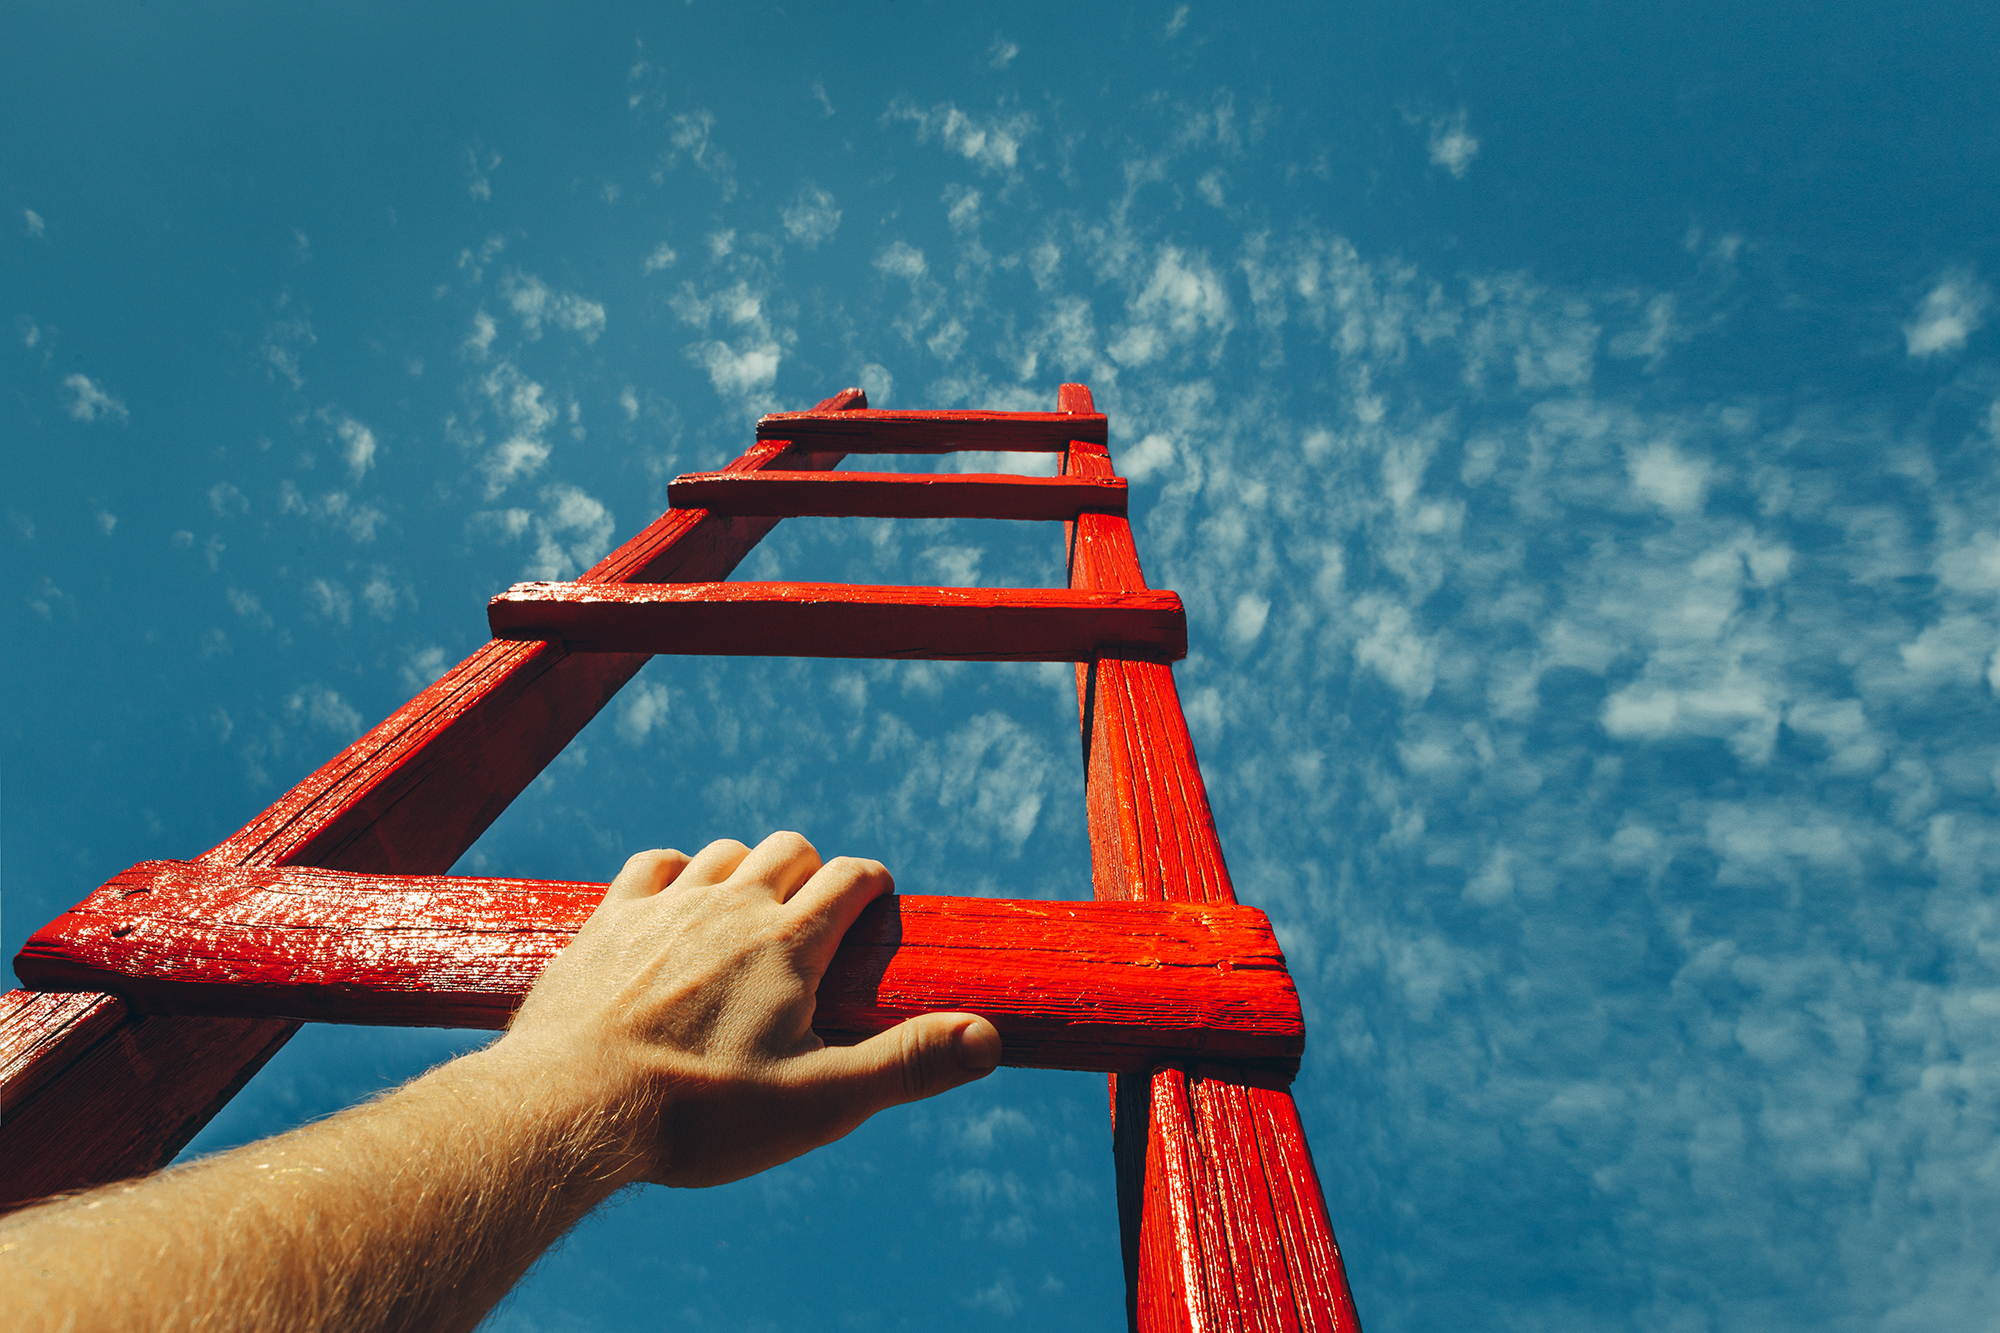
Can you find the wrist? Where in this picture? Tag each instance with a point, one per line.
(591, 1135)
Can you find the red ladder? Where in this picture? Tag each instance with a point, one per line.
(161, 993)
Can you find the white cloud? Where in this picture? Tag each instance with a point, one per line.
(662, 256)
(382, 594)
(474, 262)
(955, 566)
(524, 418)
(90, 401)
(107, 522)
(1451, 146)
(991, 143)
(480, 163)
(357, 445)
(746, 371)
(1176, 23)
(812, 218)
(642, 707)
(1394, 649)
(1659, 335)
(744, 367)
(691, 137)
(284, 337)
(535, 304)
(329, 600)
(1739, 707)
(33, 222)
(422, 667)
(571, 534)
(1668, 478)
(359, 521)
(1950, 313)
(1246, 618)
(899, 259)
(1183, 300)
(249, 607)
(1001, 54)
(1146, 457)
(480, 341)
(325, 710)
(961, 209)
(877, 383)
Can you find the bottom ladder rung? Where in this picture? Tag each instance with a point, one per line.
(1070, 985)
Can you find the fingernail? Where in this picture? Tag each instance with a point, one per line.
(978, 1044)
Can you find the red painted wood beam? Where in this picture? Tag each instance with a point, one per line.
(1070, 985)
(871, 432)
(844, 620)
(1224, 1222)
(897, 494)
(409, 797)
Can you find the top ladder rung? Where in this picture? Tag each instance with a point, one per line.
(872, 432)
(897, 495)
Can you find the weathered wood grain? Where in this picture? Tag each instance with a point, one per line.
(1226, 1226)
(410, 797)
(125, 1097)
(34, 1028)
(897, 494)
(843, 620)
(1070, 985)
(869, 432)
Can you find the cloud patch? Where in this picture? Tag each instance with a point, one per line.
(812, 218)
(1452, 146)
(1951, 312)
(90, 401)
(991, 143)
(535, 303)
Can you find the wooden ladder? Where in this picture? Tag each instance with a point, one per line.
(157, 997)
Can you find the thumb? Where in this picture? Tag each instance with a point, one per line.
(917, 1058)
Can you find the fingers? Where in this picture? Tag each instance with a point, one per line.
(828, 903)
(646, 873)
(715, 862)
(919, 1058)
(779, 865)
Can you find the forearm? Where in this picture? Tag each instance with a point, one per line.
(418, 1210)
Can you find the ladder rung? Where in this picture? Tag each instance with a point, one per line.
(1071, 985)
(845, 620)
(871, 432)
(897, 494)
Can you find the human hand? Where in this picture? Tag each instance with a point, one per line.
(682, 1014)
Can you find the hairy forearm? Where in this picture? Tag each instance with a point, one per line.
(416, 1211)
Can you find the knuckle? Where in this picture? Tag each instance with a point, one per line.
(856, 869)
(792, 843)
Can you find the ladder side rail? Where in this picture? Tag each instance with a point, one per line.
(110, 1104)
(1224, 1221)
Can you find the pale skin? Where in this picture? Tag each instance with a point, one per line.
(671, 1043)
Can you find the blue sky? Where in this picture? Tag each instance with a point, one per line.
(1573, 431)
